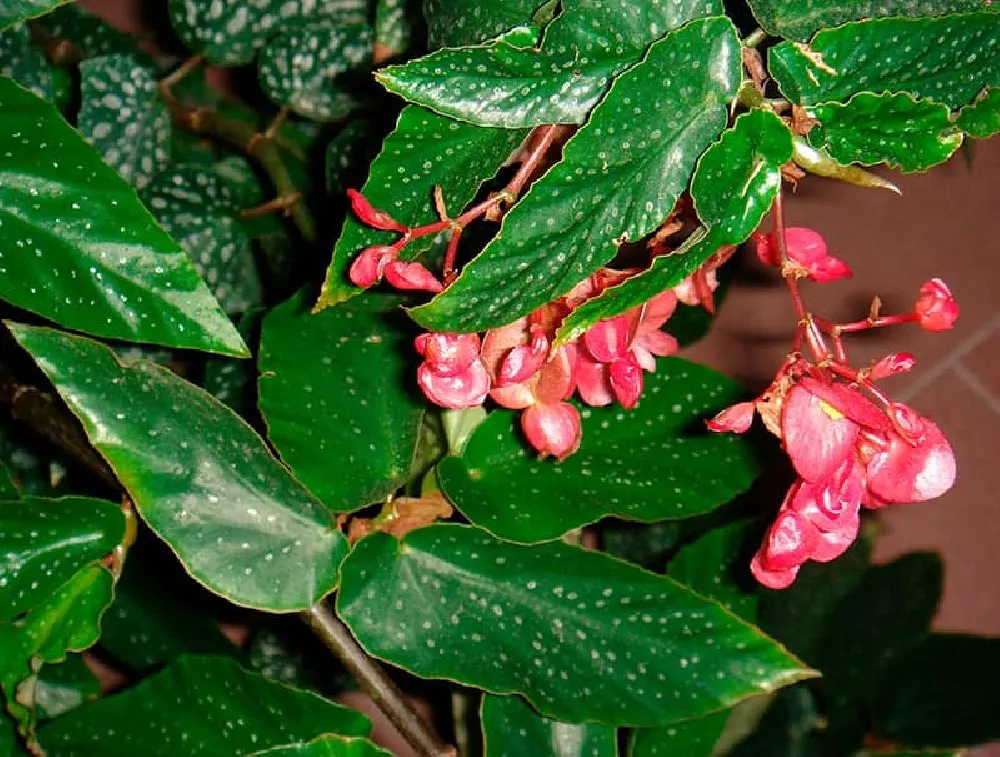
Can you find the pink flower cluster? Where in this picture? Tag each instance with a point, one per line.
(850, 446)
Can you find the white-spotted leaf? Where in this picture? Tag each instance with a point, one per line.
(454, 23)
(15, 11)
(25, 63)
(982, 118)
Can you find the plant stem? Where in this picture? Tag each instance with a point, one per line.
(375, 683)
(754, 38)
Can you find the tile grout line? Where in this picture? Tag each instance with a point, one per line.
(950, 361)
(977, 386)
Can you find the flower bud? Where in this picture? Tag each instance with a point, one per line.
(369, 266)
(936, 309)
(552, 429)
(735, 418)
(892, 365)
(411, 276)
(377, 219)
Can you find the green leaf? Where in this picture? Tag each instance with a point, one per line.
(88, 34)
(350, 152)
(800, 19)
(122, 115)
(982, 118)
(646, 545)
(653, 463)
(25, 63)
(738, 177)
(64, 686)
(83, 251)
(948, 60)
(336, 391)
(787, 729)
(233, 381)
(944, 692)
(618, 180)
(15, 11)
(908, 134)
(691, 738)
(199, 476)
(513, 82)
(306, 68)
(46, 541)
(198, 706)
(425, 150)
(553, 616)
(512, 729)
(326, 746)
(197, 208)
(8, 489)
(453, 23)
(394, 26)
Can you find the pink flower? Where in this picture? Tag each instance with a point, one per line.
(452, 374)
(552, 429)
(805, 247)
(936, 309)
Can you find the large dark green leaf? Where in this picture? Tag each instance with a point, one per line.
(14, 11)
(198, 706)
(337, 392)
(46, 541)
(64, 686)
(79, 248)
(618, 180)
(512, 729)
(122, 115)
(692, 738)
(800, 19)
(948, 60)
(424, 151)
(452, 23)
(895, 129)
(199, 476)
(524, 79)
(579, 634)
(326, 746)
(25, 63)
(943, 692)
(653, 463)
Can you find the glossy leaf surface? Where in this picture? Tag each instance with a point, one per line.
(692, 738)
(335, 393)
(653, 463)
(425, 150)
(454, 23)
(326, 746)
(199, 706)
(46, 541)
(15, 11)
(511, 728)
(65, 686)
(982, 118)
(82, 251)
(618, 180)
(553, 617)
(199, 476)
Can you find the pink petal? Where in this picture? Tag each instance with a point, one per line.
(448, 354)
(912, 472)
(832, 544)
(626, 382)
(849, 401)
(735, 418)
(369, 266)
(831, 503)
(524, 361)
(377, 219)
(411, 276)
(608, 340)
(466, 389)
(553, 429)
(592, 382)
(936, 309)
(789, 541)
(829, 269)
(817, 437)
(805, 246)
(772, 579)
(767, 250)
(660, 343)
(892, 365)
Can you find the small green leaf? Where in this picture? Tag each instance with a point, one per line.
(515, 82)
(943, 692)
(306, 68)
(425, 150)
(122, 116)
(653, 463)
(80, 249)
(691, 738)
(453, 23)
(25, 63)
(197, 208)
(618, 180)
(982, 118)
(64, 687)
(89, 34)
(15, 11)
(948, 60)
(553, 616)
(394, 26)
(199, 476)
(336, 391)
(327, 746)
(46, 541)
(738, 177)
(800, 19)
(512, 729)
(898, 130)
(198, 706)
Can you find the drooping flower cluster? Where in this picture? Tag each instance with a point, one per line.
(850, 446)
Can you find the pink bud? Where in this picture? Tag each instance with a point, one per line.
(466, 389)
(369, 266)
(936, 309)
(524, 361)
(735, 419)
(411, 276)
(892, 365)
(552, 429)
(377, 219)
(608, 340)
(829, 269)
(448, 354)
(805, 246)
(626, 381)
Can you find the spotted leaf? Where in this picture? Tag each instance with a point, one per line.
(196, 206)
(395, 21)
(199, 476)
(453, 23)
(618, 180)
(199, 706)
(90, 35)
(15, 11)
(122, 116)
(25, 63)
(511, 728)
(308, 68)
(982, 118)
(425, 150)
(522, 79)
(336, 393)
(895, 129)
(553, 617)
(653, 463)
(82, 251)
(46, 541)
(948, 60)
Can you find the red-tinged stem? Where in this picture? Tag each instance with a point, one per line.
(873, 323)
(846, 372)
(448, 272)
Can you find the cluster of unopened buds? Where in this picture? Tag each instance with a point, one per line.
(851, 446)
